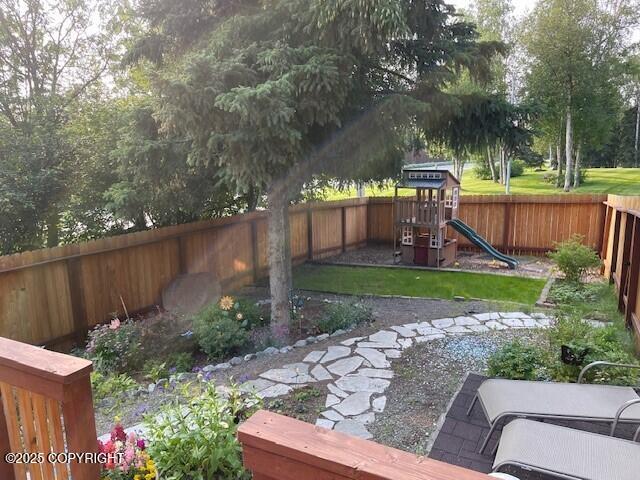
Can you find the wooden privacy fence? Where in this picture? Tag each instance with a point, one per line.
(520, 224)
(281, 448)
(45, 408)
(53, 296)
(621, 255)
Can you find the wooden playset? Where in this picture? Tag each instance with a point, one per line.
(421, 221)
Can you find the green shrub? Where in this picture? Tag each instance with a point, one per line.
(197, 441)
(590, 344)
(517, 361)
(340, 316)
(517, 168)
(180, 362)
(154, 370)
(115, 347)
(482, 171)
(574, 258)
(218, 334)
(572, 293)
(105, 386)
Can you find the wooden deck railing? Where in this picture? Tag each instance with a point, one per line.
(281, 448)
(46, 407)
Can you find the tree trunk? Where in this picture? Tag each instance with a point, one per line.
(576, 167)
(503, 167)
(507, 182)
(551, 159)
(559, 161)
(53, 232)
(492, 166)
(279, 255)
(635, 152)
(568, 149)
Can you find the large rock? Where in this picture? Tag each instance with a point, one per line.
(188, 294)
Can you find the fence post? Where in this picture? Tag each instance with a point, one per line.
(76, 292)
(634, 271)
(54, 390)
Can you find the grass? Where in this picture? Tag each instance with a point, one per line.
(417, 283)
(621, 181)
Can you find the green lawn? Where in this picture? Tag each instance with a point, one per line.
(621, 181)
(417, 283)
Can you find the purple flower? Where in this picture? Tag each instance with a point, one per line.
(140, 444)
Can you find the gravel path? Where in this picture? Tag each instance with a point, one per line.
(426, 378)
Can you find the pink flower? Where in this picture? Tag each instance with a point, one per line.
(118, 433)
(115, 324)
(140, 444)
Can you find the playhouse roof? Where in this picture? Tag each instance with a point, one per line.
(419, 176)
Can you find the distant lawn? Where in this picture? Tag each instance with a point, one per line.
(417, 283)
(621, 181)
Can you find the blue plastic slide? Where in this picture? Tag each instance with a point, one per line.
(480, 242)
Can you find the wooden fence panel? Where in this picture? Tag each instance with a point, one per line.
(56, 294)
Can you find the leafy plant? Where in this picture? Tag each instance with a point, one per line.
(154, 370)
(180, 362)
(610, 343)
(197, 441)
(574, 258)
(517, 168)
(340, 316)
(114, 347)
(218, 333)
(518, 361)
(105, 386)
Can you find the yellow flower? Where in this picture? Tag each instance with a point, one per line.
(226, 303)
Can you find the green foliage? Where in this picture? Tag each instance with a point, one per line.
(340, 316)
(197, 441)
(218, 333)
(154, 370)
(518, 361)
(589, 344)
(574, 259)
(114, 347)
(180, 362)
(107, 386)
(571, 293)
(517, 168)
(482, 171)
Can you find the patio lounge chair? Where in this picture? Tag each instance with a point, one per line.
(567, 453)
(502, 398)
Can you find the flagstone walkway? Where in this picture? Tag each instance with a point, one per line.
(359, 369)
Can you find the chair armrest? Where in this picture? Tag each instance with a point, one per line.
(620, 411)
(604, 364)
(636, 437)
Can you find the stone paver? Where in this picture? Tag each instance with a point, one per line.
(464, 321)
(353, 427)
(354, 404)
(361, 383)
(336, 352)
(442, 323)
(321, 374)
(314, 357)
(375, 357)
(376, 373)
(379, 404)
(404, 331)
(345, 366)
